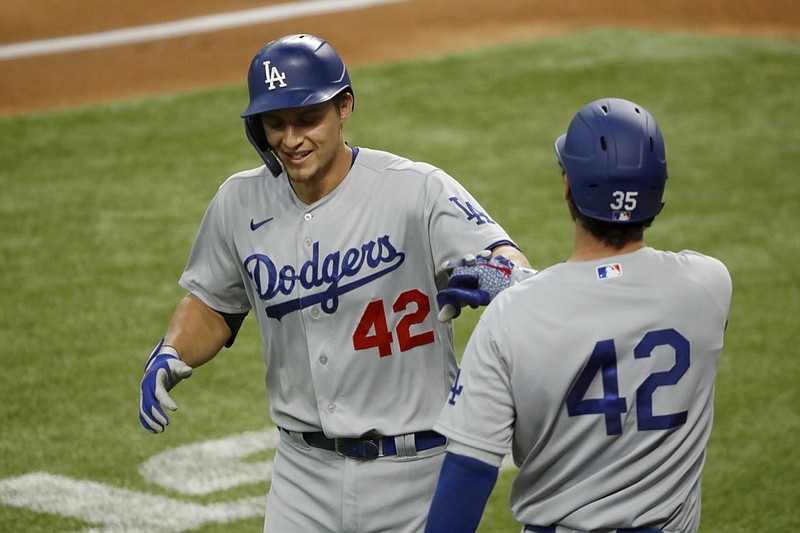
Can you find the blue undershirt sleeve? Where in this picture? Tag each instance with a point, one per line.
(461, 495)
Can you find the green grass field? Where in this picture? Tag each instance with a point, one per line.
(99, 206)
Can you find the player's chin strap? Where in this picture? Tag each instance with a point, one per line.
(475, 281)
(258, 139)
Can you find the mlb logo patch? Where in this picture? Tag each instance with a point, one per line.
(621, 216)
(613, 270)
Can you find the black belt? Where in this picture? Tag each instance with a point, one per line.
(552, 529)
(363, 448)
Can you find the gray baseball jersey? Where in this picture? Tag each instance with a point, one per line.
(343, 289)
(599, 377)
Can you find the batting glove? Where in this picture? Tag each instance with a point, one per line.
(475, 281)
(162, 372)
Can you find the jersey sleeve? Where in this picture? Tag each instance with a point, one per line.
(479, 413)
(212, 272)
(711, 276)
(459, 225)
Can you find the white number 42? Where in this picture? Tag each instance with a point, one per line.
(624, 200)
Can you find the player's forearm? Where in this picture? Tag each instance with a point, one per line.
(512, 254)
(196, 331)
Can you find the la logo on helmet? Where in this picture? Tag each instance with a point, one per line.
(273, 75)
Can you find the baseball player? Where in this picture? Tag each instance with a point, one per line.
(334, 249)
(597, 374)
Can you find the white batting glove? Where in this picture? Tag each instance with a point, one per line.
(475, 280)
(163, 370)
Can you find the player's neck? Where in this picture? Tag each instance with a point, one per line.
(312, 189)
(589, 248)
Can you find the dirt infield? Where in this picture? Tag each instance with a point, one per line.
(399, 30)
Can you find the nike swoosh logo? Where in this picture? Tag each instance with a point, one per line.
(255, 225)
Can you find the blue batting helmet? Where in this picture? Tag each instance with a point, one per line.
(615, 161)
(293, 71)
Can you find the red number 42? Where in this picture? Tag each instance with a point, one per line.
(373, 329)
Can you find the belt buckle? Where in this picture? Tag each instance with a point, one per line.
(358, 448)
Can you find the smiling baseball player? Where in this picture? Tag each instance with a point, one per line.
(335, 250)
(598, 373)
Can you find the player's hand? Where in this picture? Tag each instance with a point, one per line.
(162, 372)
(475, 280)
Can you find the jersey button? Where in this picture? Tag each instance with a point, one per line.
(308, 241)
(314, 312)
(308, 216)
(323, 360)
(331, 408)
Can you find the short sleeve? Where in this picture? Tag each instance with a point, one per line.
(213, 273)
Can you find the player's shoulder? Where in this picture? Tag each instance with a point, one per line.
(692, 255)
(382, 162)
(245, 177)
(247, 185)
(692, 260)
(251, 187)
(700, 269)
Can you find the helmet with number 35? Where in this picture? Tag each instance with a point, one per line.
(292, 71)
(614, 157)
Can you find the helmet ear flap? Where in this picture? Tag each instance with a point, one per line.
(257, 137)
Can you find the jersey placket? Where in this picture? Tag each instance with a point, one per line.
(315, 319)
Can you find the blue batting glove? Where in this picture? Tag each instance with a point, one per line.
(474, 281)
(162, 372)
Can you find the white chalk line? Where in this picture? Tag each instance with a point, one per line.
(179, 28)
(200, 468)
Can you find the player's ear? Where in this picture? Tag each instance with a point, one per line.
(346, 106)
(566, 185)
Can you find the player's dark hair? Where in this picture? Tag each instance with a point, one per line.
(616, 235)
(342, 96)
